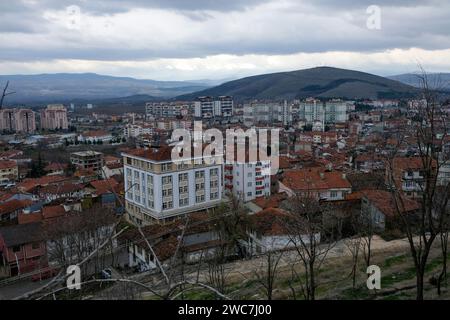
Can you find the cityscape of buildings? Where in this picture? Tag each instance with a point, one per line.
(58, 165)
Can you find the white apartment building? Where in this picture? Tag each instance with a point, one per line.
(158, 190)
(134, 130)
(165, 109)
(209, 107)
(332, 111)
(204, 108)
(223, 106)
(268, 113)
(248, 181)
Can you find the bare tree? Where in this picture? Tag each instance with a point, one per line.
(306, 230)
(429, 131)
(267, 271)
(354, 245)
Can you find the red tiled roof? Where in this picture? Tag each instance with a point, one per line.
(156, 154)
(384, 201)
(310, 179)
(269, 222)
(104, 186)
(53, 211)
(7, 164)
(271, 202)
(14, 205)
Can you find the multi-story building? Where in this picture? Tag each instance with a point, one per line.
(204, 108)
(210, 107)
(248, 181)
(155, 110)
(261, 112)
(223, 106)
(17, 120)
(158, 190)
(332, 111)
(88, 160)
(54, 117)
(407, 174)
(134, 130)
(9, 172)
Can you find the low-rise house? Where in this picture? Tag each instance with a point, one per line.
(9, 172)
(23, 248)
(111, 170)
(61, 191)
(55, 169)
(269, 231)
(10, 210)
(95, 136)
(316, 182)
(381, 210)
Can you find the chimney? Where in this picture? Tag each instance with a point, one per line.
(344, 176)
(322, 175)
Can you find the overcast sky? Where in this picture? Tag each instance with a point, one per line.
(217, 39)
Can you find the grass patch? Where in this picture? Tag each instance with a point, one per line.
(394, 260)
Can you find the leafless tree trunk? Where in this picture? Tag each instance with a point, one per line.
(306, 230)
(266, 272)
(429, 130)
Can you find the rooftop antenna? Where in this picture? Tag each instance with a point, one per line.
(5, 93)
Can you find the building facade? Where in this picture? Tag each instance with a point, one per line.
(247, 181)
(158, 190)
(17, 120)
(54, 117)
(88, 160)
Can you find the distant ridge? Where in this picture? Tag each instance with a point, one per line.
(321, 82)
(65, 87)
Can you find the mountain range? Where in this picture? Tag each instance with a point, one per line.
(321, 82)
(69, 87)
(438, 81)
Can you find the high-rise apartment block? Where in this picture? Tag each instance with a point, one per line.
(209, 107)
(17, 120)
(54, 117)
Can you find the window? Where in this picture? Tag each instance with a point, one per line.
(200, 198)
(199, 186)
(249, 184)
(214, 195)
(214, 172)
(249, 175)
(249, 194)
(199, 174)
(167, 192)
(167, 180)
(167, 205)
(333, 194)
(166, 167)
(184, 202)
(183, 177)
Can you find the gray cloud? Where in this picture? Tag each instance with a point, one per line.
(189, 29)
